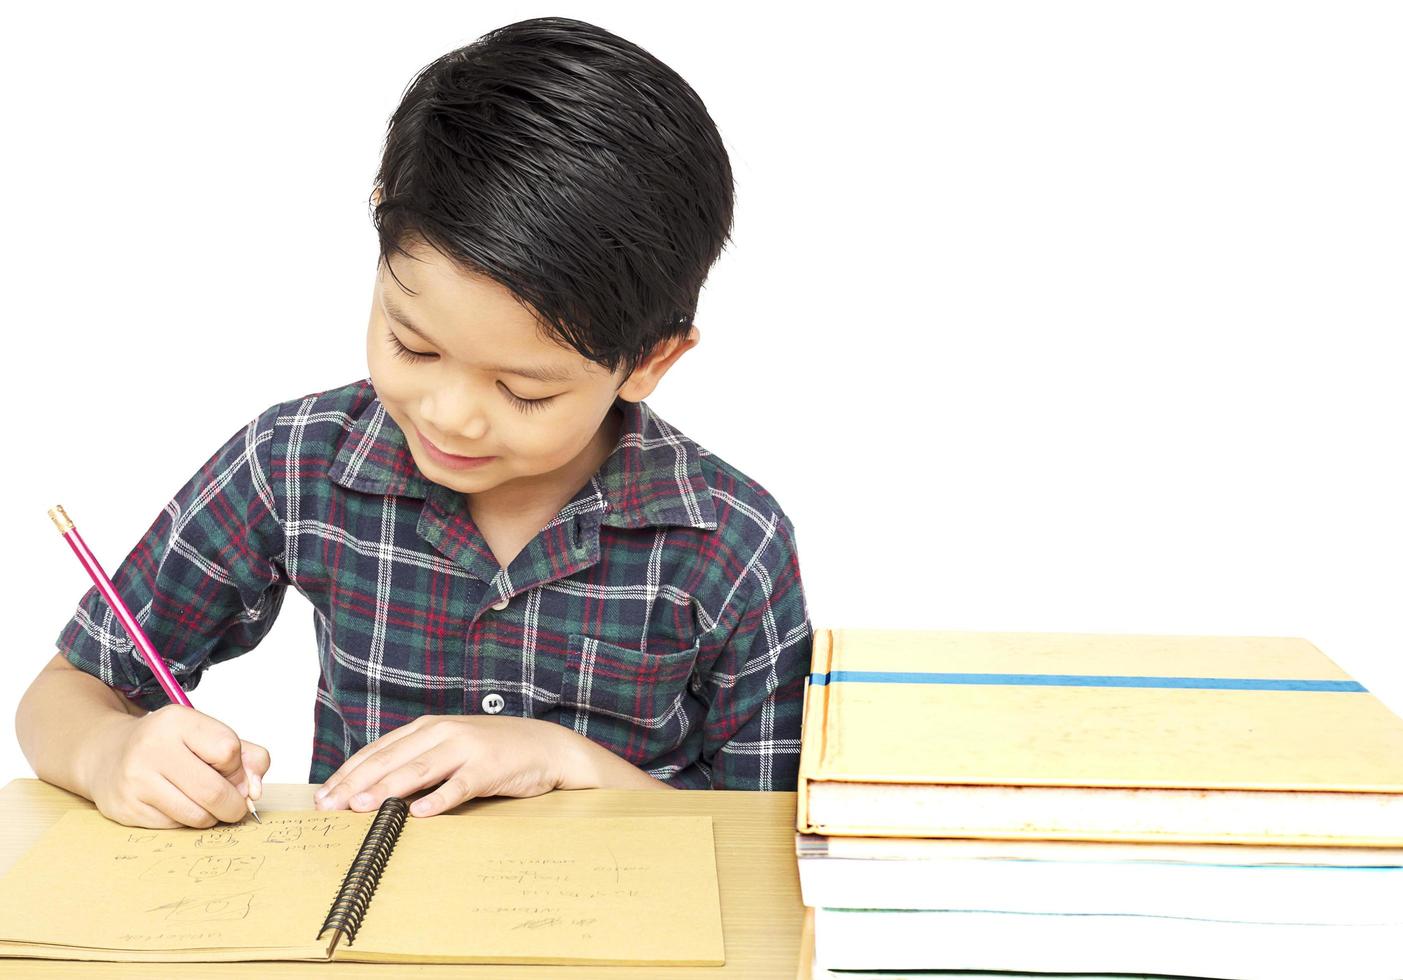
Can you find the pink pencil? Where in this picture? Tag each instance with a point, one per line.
(153, 659)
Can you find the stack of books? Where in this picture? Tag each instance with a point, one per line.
(1226, 807)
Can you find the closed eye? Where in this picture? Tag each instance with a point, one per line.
(405, 354)
(525, 404)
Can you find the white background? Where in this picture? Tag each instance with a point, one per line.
(1075, 317)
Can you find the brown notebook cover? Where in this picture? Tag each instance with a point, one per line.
(370, 887)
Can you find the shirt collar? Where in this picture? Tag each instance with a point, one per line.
(652, 478)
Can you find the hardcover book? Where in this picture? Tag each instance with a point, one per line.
(1062, 736)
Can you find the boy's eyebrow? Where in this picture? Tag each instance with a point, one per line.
(549, 375)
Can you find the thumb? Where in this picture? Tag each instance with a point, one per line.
(256, 761)
(220, 747)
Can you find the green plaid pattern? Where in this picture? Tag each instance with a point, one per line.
(660, 613)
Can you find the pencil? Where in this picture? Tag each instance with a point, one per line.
(104, 585)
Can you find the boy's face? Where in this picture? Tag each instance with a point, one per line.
(481, 380)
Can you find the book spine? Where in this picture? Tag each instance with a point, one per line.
(349, 907)
(814, 724)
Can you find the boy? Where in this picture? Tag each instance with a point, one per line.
(523, 578)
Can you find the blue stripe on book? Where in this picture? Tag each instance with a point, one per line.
(1085, 680)
(933, 915)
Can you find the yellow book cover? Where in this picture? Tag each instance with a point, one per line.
(1094, 736)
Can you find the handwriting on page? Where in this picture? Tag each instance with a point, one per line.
(191, 886)
(550, 887)
(521, 889)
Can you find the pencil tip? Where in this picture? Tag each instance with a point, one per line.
(254, 810)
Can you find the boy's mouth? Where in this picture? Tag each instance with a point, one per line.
(449, 459)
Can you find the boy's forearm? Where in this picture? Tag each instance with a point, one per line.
(589, 765)
(64, 715)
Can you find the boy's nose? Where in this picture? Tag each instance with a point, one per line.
(457, 416)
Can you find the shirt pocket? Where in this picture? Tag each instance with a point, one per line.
(632, 702)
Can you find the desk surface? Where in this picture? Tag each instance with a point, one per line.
(761, 913)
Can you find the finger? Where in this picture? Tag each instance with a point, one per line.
(420, 772)
(171, 800)
(220, 748)
(254, 788)
(396, 752)
(374, 768)
(256, 762)
(206, 787)
(137, 812)
(365, 752)
(146, 815)
(256, 757)
(455, 790)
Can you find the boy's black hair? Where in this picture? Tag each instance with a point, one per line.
(573, 168)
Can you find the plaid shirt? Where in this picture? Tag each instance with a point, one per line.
(660, 613)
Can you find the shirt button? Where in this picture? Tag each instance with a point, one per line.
(500, 604)
(493, 703)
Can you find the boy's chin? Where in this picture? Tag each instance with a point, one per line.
(466, 481)
(490, 477)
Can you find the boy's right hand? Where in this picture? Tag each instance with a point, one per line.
(175, 767)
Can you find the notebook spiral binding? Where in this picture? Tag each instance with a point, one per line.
(358, 886)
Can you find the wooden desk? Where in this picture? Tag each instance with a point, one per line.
(761, 914)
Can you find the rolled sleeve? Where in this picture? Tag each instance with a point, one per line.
(751, 737)
(205, 581)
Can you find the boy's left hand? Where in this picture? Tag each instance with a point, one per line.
(471, 756)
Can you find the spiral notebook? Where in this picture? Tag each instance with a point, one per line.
(370, 887)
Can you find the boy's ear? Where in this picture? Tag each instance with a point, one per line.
(645, 377)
